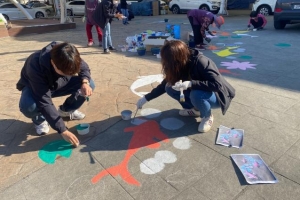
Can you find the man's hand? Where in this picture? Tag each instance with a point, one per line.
(210, 33)
(86, 90)
(71, 138)
(119, 16)
(184, 85)
(207, 39)
(249, 26)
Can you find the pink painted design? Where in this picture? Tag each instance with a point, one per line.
(226, 71)
(145, 135)
(238, 65)
(251, 175)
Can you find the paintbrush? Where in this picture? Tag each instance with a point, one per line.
(182, 99)
(134, 115)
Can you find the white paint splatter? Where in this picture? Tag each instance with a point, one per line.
(138, 121)
(182, 143)
(145, 80)
(150, 113)
(171, 123)
(156, 164)
(165, 157)
(151, 166)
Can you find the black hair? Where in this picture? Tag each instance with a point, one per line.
(253, 14)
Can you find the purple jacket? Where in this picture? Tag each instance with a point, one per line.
(90, 7)
(201, 18)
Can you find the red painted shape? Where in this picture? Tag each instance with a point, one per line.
(225, 34)
(212, 47)
(144, 135)
(226, 71)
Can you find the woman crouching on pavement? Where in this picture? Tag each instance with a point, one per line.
(203, 86)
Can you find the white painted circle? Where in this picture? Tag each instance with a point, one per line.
(182, 143)
(151, 166)
(150, 113)
(171, 123)
(165, 157)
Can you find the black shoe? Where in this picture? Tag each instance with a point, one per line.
(112, 48)
(106, 51)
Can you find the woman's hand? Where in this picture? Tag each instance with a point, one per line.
(119, 16)
(86, 90)
(184, 85)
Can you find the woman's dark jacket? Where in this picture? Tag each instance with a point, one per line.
(104, 13)
(204, 75)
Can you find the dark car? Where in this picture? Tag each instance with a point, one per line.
(286, 12)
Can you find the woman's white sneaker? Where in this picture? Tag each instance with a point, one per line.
(189, 112)
(74, 115)
(206, 124)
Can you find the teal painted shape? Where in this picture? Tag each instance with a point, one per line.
(283, 45)
(50, 151)
(236, 36)
(223, 37)
(246, 57)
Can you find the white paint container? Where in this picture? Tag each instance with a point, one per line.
(254, 29)
(83, 129)
(126, 114)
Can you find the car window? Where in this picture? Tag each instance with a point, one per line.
(77, 3)
(9, 6)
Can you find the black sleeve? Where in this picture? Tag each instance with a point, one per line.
(42, 96)
(212, 78)
(85, 72)
(156, 92)
(106, 9)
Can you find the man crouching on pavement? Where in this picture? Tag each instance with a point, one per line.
(56, 70)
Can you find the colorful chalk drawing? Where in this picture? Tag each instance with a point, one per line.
(238, 43)
(239, 50)
(224, 33)
(223, 37)
(283, 45)
(171, 123)
(138, 121)
(238, 65)
(246, 57)
(226, 71)
(54, 149)
(150, 113)
(239, 32)
(226, 52)
(220, 44)
(156, 164)
(231, 57)
(236, 36)
(143, 81)
(144, 135)
(247, 35)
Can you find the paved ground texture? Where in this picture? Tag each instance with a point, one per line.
(164, 157)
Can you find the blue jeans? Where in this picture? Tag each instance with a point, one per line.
(126, 14)
(28, 106)
(202, 100)
(106, 41)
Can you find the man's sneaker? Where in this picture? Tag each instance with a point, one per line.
(100, 44)
(106, 51)
(112, 48)
(200, 47)
(74, 115)
(189, 112)
(205, 124)
(42, 129)
(89, 44)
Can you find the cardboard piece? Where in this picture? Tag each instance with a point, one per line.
(155, 42)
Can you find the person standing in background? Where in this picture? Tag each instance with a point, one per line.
(124, 11)
(103, 15)
(90, 7)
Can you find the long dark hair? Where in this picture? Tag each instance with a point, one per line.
(175, 55)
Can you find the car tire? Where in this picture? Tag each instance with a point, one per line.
(39, 14)
(204, 7)
(69, 12)
(264, 10)
(175, 9)
(6, 17)
(279, 24)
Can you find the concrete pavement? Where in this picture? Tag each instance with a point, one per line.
(266, 106)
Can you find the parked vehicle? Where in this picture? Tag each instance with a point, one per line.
(11, 12)
(286, 12)
(265, 7)
(179, 6)
(47, 8)
(76, 7)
